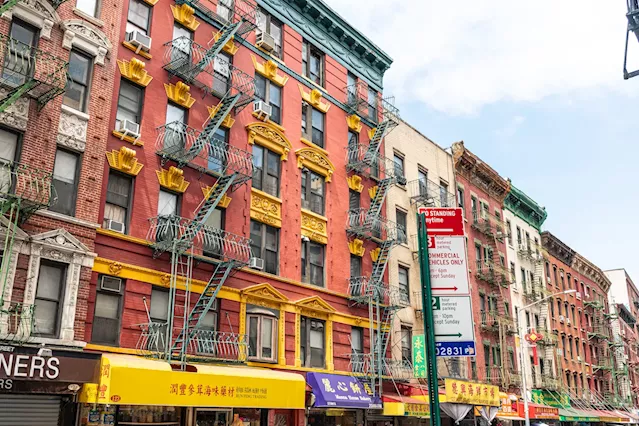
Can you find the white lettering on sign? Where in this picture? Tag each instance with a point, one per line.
(33, 367)
(448, 265)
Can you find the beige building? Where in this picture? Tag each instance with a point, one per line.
(430, 176)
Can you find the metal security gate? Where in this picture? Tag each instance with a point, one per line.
(31, 410)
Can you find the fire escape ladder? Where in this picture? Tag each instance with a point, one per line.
(224, 35)
(632, 27)
(380, 265)
(376, 203)
(376, 140)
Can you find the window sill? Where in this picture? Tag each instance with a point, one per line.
(313, 145)
(57, 342)
(69, 219)
(81, 115)
(403, 187)
(135, 50)
(263, 361)
(316, 85)
(130, 139)
(95, 21)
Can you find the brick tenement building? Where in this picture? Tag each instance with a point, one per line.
(481, 194)
(205, 151)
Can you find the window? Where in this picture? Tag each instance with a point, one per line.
(313, 263)
(266, 179)
(405, 338)
(483, 306)
(573, 316)
(564, 347)
(444, 194)
(357, 339)
(509, 236)
(167, 203)
(478, 253)
(512, 271)
(18, 63)
(354, 200)
(398, 164)
(312, 63)
(352, 89)
(517, 316)
(461, 197)
(559, 307)
(519, 237)
(555, 276)
(9, 145)
(212, 246)
(118, 202)
(270, 25)
(403, 283)
(90, 7)
(553, 311)
(129, 103)
(474, 209)
(523, 278)
(139, 17)
(352, 148)
(217, 151)
(401, 221)
(221, 73)
(313, 192)
(49, 295)
(265, 241)
(312, 125)
(106, 316)
(372, 102)
(176, 120)
(262, 336)
(77, 91)
(271, 94)
(65, 181)
(159, 314)
(181, 45)
(311, 342)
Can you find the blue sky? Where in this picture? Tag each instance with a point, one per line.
(535, 90)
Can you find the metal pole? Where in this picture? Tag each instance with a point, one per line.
(429, 332)
(521, 320)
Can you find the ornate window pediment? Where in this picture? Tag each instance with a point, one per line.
(355, 182)
(315, 306)
(180, 94)
(353, 121)
(62, 240)
(124, 160)
(270, 137)
(172, 179)
(356, 247)
(38, 13)
(134, 70)
(269, 69)
(314, 98)
(185, 15)
(317, 161)
(87, 37)
(264, 292)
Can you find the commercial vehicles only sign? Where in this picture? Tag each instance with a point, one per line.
(448, 265)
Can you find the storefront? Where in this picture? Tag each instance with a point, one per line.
(38, 385)
(407, 410)
(540, 415)
(508, 411)
(138, 391)
(339, 400)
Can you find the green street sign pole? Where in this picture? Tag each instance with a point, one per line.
(429, 329)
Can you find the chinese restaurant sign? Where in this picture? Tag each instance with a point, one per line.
(419, 361)
(508, 406)
(332, 390)
(460, 391)
(416, 410)
(550, 398)
(539, 411)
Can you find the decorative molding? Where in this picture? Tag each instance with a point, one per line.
(355, 183)
(479, 173)
(127, 138)
(372, 191)
(356, 247)
(374, 254)
(316, 161)
(229, 47)
(296, 349)
(137, 50)
(270, 137)
(134, 70)
(38, 13)
(184, 14)
(224, 201)
(315, 306)
(329, 345)
(557, 248)
(269, 69)
(228, 121)
(371, 132)
(17, 114)
(72, 131)
(125, 161)
(266, 208)
(87, 37)
(314, 226)
(310, 144)
(521, 205)
(172, 179)
(353, 121)
(179, 93)
(314, 98)
(151, 2)
(264, 291)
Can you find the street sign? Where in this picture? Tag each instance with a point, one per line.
(453, 325)
(419, 356)
(448, 265)
(443, 220)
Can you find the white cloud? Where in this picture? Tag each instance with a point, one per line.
(510, 128)
(460, 56)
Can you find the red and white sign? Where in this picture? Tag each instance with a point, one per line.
(448, 265)
(443, 220)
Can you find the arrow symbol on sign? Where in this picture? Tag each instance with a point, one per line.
(445, 288)
(449, 335)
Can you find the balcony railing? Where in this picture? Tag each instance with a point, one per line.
(493, 274)
(43, 75)
(363, 365)
(550, 383)
(489, 225)
(362, 223)
(360, 101)
(18, 322)
(169, 231)
(30, 187)
(243, 11)
(430, 194)
(489, 320)
(207, 345)
(548, 338)
(372, 165)
(362, 290)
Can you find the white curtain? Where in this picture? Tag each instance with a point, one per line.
(456, 411)
(488, 413)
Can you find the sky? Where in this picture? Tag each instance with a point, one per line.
(535, 89)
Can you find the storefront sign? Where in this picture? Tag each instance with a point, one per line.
(416, 410)
(539, 411)
(332, 390)
(508, 405)
(419, 358)
(550, 398)
(460, 391)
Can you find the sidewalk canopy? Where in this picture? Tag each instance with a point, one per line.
(398, 405)
(575, 415)
(336, 391)
(126, 379)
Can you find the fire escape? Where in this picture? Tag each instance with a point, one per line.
(187, 333)
(632, 27)
(599, 334)
(369, 224)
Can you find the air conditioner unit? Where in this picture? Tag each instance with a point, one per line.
(559, 351)
(561, 319)
(139, 40)
(579, 359)
(568, 321)
(108, 283)
(128, 128)
(578, 295)
(113, 225)
(256, 263)
(265, 41)
(262, 110)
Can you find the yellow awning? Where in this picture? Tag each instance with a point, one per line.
(126, 379)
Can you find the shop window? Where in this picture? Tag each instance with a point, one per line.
(266, 171)
(265, 245)
(270, 93)
(313, 125)
(148, 414)
(79, 81)
(49, 296)
(313, 263)
(118, 202)
(263, 332)
(312, 63)
(313, 192)
(107, 313)
(66, 173)
(312, 343)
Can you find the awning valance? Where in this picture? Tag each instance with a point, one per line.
(126, 379)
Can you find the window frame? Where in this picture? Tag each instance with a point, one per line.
(76, 182)
(64, 267)
(178, 197)
(403, 239)
(274, 337)
(219, 77)
(307, 131)
(360, 331)
(146, 30)
(305, 341)
(443, 190)
(96, 12)
(264, 171)
(306, 259)
(306, 191)
(406, 351)
(35, 32)
(263, 247)
(404, 289)
(268, 85)
(398, 167)
(129, 206)
(278, 52)
(306, 61)
(141, 90)
(120, 295)
(354, 200)
(84, 104)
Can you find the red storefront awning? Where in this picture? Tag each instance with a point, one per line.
(538, 411)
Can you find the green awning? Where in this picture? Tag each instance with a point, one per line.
(575, 415)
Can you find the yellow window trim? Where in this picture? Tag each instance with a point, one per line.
(266, 208)
(224, 202)
(314, 98)
(316, 161)
(353, 121)
(134, 70)
(137, 50)
(356, 247)
(151, 2)
(228, 121)
(310, 144)
(180, 94)
(374, 254)
(269, 136)
(124, 160)
(314, 226)
(355, 183)
(172, 179)
(269, 70)
(133, 141)
(184, 14)
(229, 47)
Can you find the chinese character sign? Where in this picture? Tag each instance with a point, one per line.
(419, 357)
(471, 393)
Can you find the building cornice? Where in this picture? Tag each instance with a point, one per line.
(479, 173)
(591, 271)
(525, 207)
(557, 248)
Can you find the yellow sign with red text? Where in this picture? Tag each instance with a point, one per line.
(464, 392)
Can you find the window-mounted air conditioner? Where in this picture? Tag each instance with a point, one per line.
(256, 263)
(265, 41)
(561, 319)
(113, 284)
(113, 225)
(578, 295)
(262, 110)
(128, 128)
(579, 359)
(140, 40)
